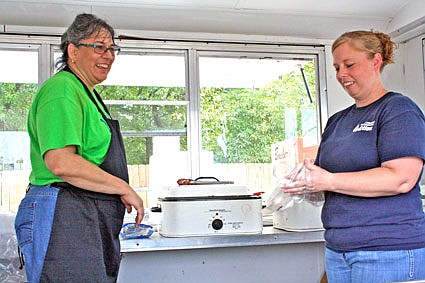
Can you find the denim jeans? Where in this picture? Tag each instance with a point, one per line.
(375, 266)
(33, 224)
(69, 235)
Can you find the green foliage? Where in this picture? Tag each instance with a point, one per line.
(248, 121)
(15, 101)
(137, 150)
(141, 93)
(238, 125)
(138, 118)
(145, 119)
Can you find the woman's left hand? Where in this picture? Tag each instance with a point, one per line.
(315, 179)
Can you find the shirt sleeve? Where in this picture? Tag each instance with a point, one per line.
(59, 124)
(402, 132)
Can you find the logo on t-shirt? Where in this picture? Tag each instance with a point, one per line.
(365, 127)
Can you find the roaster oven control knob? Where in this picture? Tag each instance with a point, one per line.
(217, 224)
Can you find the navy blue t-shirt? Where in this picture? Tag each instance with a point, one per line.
(357, 139)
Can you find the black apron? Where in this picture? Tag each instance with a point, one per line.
(84, 244)
(115, 162)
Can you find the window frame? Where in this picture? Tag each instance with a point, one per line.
(48, 45)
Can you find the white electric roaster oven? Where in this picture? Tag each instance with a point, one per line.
(304, 216)
(210, 209)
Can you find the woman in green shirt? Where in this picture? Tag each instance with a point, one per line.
(68, 224)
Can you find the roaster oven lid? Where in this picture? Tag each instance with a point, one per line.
(214, 190)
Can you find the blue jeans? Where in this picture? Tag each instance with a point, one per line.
(375, 266)
(33, 224)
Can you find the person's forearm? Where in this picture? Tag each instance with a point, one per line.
(370, 183)
(76, 170)
(392, 178)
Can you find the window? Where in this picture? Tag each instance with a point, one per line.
(146, 92)
(193, 109)
(18, 84)
(250, 102)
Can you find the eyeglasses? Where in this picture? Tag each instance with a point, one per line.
(101, 49)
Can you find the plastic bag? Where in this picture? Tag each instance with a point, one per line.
(279, 200)
(130, 231)
(9, 258)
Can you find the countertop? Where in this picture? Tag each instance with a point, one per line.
(269, 236)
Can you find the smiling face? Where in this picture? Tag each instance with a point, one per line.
(359, 73)
(92, 68)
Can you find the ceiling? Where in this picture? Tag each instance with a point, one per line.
(324, 19)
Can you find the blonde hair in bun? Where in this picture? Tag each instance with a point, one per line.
(371, 42)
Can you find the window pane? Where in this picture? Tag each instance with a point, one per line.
(18, 85)
(146, 92)
(159, 77)
(249, 104)
(162, 119)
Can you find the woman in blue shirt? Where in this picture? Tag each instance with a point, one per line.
(369, 165)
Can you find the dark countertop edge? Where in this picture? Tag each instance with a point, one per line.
(269, 236)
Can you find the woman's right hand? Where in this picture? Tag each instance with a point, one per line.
(132, 199)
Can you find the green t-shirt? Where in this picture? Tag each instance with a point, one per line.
(62, 114)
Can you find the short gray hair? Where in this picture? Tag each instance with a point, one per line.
(84, 26)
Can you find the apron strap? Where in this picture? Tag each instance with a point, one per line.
(99, 99)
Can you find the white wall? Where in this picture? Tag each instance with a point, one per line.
(407, 74)
(414, 79)
(392, 76)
